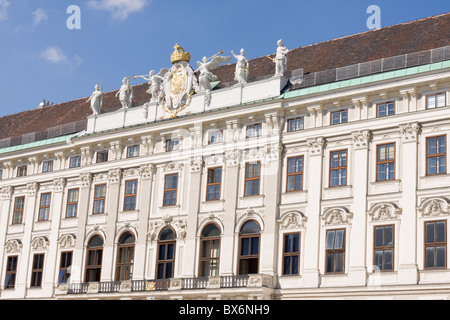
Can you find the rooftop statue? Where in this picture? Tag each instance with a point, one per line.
(125, 93)
(206, 76)
(155, 84)
(281, 59)
(96, 100)
(241, 73)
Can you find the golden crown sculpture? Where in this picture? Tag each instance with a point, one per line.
(179, 55)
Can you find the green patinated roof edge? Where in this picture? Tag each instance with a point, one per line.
(293, 94)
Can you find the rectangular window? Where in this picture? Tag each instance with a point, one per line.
(335, 251)
(339, 117)
(47, 166)
(295, 174)
(436, 155)
(172, 145)
(254, 130)
(132, 151)
(291, 254)
(385, 109)
(72, 203)
(436, 100)
(252, 179)
(386, 162)
(64, 267)
(22, 171)
(338, 168)
(11, 270)
(99, 199)
(383, 248)
(37, 271)
(102, 156)
(170, 189)
(215, 137)
(296, 124)
(18, 210)
(130, 195)
(436, 245)
(75, 162)
(213, 184)
(1, 174)
(44, 206)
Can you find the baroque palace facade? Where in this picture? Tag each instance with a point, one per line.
(320, 174)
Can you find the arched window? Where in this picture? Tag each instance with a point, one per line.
(249, 240)
(166, 254)
(125, 257)
(94, 259)
(210, 251)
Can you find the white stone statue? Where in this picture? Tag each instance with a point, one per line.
(281, 59)
(125, 93)
(205, 67)
(241, 73)
(155, 84)
(96, 100)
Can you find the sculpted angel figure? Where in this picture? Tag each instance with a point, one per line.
(281, 59)
(155, 84)
(125, 93)
(241, 73)
(96, 100)
(205, 67)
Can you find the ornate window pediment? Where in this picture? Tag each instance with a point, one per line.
(13, 246)
(337, 216)
(40, 243)
(292, 220)
(384, 211)
(67, 241)
(434, 207)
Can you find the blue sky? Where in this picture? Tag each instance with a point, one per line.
(40, 58)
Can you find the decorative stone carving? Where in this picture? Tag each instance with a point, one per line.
(232, 158)
(292, 220)
(39, 243)
(85, 179)
(410, 131)
(361, 139)
(181, 228)
(67, 241)
(213, 160)
(196, 164)
(100, 177)
(385, 211)
(316, 145)
(32, 188)
(131, 172)
(59, 184)
(147, 171)
(435, 207)
(242, 67)
(153, 228)
(7, 192)
(114, 175)
(13, 246)
(281, 59)
(173, 166)
(337, 216)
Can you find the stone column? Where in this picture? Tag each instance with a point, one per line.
(115, 178)
(195, 182)
(5, 209)
(82, 215)
(51, 271)
(230, 194)
(311, 276)
(272, 190)
(407, 247)
(140, 252)
(25, 261)
(357, 269)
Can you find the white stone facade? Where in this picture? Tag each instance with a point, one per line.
(405, 202)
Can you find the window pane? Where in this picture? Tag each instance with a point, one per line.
(339, 262)
(431, 146)
(388, 236)
(170, 251)
(168, 270)
(430, 233)
(379, 237)
(330, 263)
(245, 246)
(296, 242)
(388, 265)
(287, 265)
(431, 102)
(441, 100)
(250, 227)
(429, 257)
(254, 246)
(378, 260)
(440, 231)
(294, 265)
(288, 243)
(330, 240)
(339, 239)
(431, 165)
(440, 257)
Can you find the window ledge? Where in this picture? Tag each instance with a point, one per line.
(176, 206)
(339, 188)
(121, 212)
(213, 201)
(396, 181)
(252, 197)
(435, 176)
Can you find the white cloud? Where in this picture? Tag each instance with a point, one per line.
(54, 54)
(4, 4)
(38, 16)
(120, 9)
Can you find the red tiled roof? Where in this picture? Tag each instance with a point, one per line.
(410, 37)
